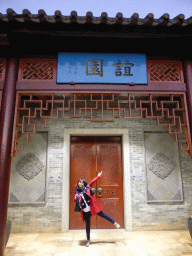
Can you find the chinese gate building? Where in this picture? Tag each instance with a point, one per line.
(64, 115)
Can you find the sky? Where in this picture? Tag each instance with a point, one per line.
(112, 7)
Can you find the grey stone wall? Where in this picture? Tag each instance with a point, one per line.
(47, 217)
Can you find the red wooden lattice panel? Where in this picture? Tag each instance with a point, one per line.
(37, 69)
(2, 69)
(161, 71)
(45, 69)
(169, 110)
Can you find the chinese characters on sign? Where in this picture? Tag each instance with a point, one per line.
(94, 67)
(127, 68)
(71, 67)
(101, 68)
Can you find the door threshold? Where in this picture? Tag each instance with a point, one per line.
(121, 230)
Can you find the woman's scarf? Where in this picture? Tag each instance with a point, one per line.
(80, 190)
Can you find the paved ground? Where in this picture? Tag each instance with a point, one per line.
(103, 242)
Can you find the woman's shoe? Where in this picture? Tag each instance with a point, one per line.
(88, 243)
(117, 225)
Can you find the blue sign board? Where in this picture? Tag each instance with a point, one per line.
(101, 68)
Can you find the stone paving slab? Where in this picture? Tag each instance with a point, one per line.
(103, 243)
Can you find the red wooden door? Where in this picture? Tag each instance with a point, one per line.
(89, 156)
(82, 165)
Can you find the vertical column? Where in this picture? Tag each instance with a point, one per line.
(6, 132)
(188, 81)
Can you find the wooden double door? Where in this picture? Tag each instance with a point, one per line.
(88, 157)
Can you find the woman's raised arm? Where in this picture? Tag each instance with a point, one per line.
(94, 180)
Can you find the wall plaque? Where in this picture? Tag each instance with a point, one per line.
(101, 68)
(163, 172)
(28, 171)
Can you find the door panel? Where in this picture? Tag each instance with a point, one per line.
(82, 165)
(110, 207)
(111, 182)
(89, 156)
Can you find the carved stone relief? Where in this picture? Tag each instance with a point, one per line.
(13, 198)
(29, 166)
(41, 198)
(161, 165)
(162, 168)
(28, 171)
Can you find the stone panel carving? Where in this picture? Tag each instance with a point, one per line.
(41, 198)
(177, 196)
(13, 198)
(162, 168)
(29, 166)
(28, 171)
(150, 196)
(161, 165)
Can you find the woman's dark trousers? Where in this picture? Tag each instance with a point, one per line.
(87, 218)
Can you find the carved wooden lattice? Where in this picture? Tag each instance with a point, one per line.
(2, 69)
(45, 69)
(38, 69)
(165, 71)
(169, 110)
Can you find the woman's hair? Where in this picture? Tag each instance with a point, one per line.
(85, 183)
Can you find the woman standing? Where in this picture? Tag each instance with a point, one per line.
(89, 204)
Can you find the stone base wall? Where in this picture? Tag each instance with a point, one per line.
(47, 216)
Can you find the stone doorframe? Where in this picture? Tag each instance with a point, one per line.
(125, 166)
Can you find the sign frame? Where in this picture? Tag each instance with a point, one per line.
(102, 68)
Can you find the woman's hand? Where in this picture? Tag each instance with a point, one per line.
(99, 174)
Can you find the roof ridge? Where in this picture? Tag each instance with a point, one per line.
(41, 16)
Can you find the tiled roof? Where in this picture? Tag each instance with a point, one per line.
(26, 16)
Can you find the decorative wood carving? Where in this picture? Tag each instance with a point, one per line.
(2, 69)
(45, 69)
(170, 110)
(161, 71)
(37, 69)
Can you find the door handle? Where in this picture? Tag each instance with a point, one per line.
(99, 191)
(93, 190)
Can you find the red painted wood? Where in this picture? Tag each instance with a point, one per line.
(3, 67)
(90, 155)
(38, 84)
(153, 106)
(0, 99)
(110, 163)
(188, 79)
(174, 68)
(41, 62)
(2, 76)
(82, 163)
(53, 86)
(1, 85)
(6, 130)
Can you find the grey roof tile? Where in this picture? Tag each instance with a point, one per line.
(41, 16)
